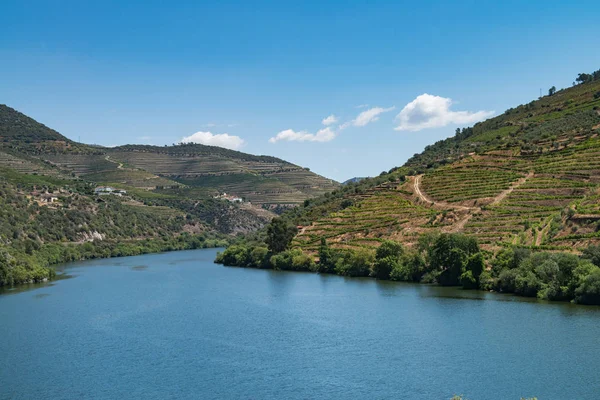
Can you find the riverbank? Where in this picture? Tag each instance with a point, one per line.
(26, 267)
(447, 260)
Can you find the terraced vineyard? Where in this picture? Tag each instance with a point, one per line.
(529, 177)
(28, 166)
(386, 211)
(32, 148)
(261, 180)
(81, 164)
(472, 181)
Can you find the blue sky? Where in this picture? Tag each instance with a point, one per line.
(269, 73)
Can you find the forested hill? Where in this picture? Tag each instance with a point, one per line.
(529, 177)
(18, 127)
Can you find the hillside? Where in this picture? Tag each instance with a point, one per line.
(266, 181)
(511, 204)
(528, 177)
(51, 214)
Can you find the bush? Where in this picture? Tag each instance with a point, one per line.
(449, 254)
(355, 263)
(410, 268)
(468, 281)
(259, 257)
(527, 284)
(292, 260)
(588, 291)
(383, 267)
(487, 281)
(387, 257)
(327, 258)
(303, 262)
(234, 256)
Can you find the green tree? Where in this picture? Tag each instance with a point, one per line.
(389, 248)
(584, 78)
(592, 253)
(473, 269)
(280, 234)
(449, 254)
(382, 267)
(410, 268)
(387, 257)
(355, 263)
(551, 91)
(258, 257)
(589, 290)
(454, 266)
(326, 259)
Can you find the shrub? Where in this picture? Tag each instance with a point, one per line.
(410, 268)
(468, 281)
(588, 291)
(302, 262)
(355, 263)
(387, 258)
(259, 257)
(383, 267)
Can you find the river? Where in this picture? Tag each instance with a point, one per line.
(175, 325)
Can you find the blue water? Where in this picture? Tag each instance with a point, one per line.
(177, 326)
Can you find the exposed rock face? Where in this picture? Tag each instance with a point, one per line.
(91, 236)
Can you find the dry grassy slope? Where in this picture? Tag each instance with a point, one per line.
(533, 186)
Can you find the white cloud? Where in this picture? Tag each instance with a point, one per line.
(222, 140)
(328, 133)
(332, 119)
(323, 135)
(361, 106)
(370, 115)
(428, 111)
(366, 117)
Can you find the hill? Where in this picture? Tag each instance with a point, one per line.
(511, 204)
(266, 181)
(353, 180)
(169, 200)
(528, 177)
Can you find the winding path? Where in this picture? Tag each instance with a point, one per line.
(120, 166)
(508, 191)
(458, 226)
(426, 199)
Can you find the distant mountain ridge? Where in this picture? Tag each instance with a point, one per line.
(354, 180)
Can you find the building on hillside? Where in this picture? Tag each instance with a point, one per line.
(48, 198)
(230, 198)
(103, 190)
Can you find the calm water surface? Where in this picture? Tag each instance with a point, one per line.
(178, 326)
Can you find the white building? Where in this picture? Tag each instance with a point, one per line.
(103, 190)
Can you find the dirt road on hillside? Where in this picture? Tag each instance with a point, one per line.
(459, 225)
